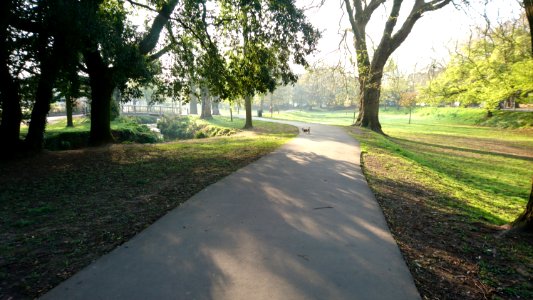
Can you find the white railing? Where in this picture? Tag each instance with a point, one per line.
(151, 110)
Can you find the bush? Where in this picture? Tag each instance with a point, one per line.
(67, 140)
(185, 128)
(127, 132)
(177, 128)
(140, 134)
(145, 119)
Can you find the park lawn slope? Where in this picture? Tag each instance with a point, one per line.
(61, 210)
(446, 191)
(420, 115)
(448, 184)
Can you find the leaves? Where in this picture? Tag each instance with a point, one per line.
(494, 66)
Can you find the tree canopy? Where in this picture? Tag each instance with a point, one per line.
(236, 48)
(493, 66)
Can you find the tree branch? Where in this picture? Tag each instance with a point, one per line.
(161, 52)
(370, 8)
(149, 42)
(418, 9)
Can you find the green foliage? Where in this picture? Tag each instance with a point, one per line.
(325, 86)
(264, 39)
(394, 85)
(67, 140)
(189, 128)
(492, 67)
(124, 130)
(145, 119)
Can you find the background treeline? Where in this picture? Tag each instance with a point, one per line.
(492, 69)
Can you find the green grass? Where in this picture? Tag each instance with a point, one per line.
(335, 117)
(61, 210)
(487, 177)
(487, 170)
(445, 186)
(420, 115)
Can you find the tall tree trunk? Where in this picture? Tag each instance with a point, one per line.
(371, 70)
(101, 82)
(193, 103)
(248, 109)
(11, 111)
(528, 5)
(69, 103)
(50, 65)
(9, 90)
(214, 105)
(206, 104)
(525, 220)
(369, 102)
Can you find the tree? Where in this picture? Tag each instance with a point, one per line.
(114, 53)
(528, 6)
(525, 220)
(262, 39)
(394, 85)
(494, 65)
(206, 104)
(371, 69)
(9, 88)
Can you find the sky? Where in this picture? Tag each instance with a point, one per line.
(433, 36)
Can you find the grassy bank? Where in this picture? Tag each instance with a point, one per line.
(447, 187)
(421, 115)
(444, 193)
(61, 210)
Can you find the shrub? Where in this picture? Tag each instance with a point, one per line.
(145, 119)
(185, 128)
(136, 135)
(177, 128)
(67, 140)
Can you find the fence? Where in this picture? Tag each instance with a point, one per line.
(151, 109)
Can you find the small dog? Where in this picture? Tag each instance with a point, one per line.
(306, 130)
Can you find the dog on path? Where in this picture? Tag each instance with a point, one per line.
(306, 130)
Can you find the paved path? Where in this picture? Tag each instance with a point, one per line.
(300, 223)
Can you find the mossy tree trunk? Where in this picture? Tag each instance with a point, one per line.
(371, 69)
(369, 102)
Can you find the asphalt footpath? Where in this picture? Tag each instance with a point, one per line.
(300, 223)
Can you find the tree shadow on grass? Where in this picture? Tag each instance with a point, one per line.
(464, 149)
(451, 256)
(478, 173)
(61, 210)
(296, 224)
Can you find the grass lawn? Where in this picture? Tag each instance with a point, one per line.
(80, 124)
(446, 187)
(61, 210)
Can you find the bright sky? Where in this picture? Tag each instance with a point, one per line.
(431, 39)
